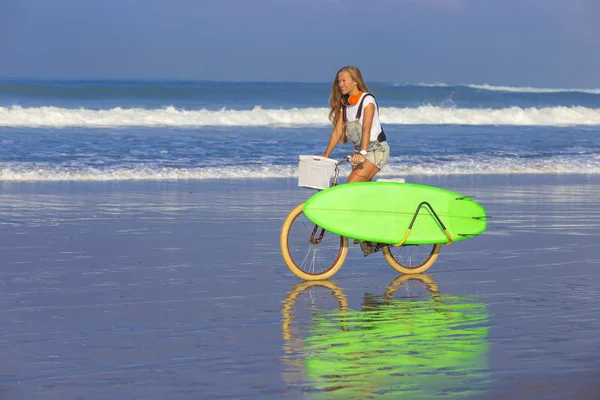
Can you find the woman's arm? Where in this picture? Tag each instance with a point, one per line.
(336, 134)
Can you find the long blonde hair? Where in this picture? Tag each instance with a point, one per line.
(335, 98)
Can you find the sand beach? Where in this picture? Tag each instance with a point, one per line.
(177, 290)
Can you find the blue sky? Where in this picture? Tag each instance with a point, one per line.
(549, 43)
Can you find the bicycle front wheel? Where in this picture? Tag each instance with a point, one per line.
(411, 259)
(309, 251)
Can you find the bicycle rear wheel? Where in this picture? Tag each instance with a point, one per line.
(310, 252)
(411, 259)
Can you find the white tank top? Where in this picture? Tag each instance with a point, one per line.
(352, 110)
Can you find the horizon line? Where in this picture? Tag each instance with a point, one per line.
(196, 80)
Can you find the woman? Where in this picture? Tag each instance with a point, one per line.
(355, 116)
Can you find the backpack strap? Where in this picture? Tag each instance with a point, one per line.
(360, 106)
(381, 137)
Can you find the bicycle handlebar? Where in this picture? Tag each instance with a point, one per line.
(345, 159)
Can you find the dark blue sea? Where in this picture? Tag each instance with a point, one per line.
(167, 130)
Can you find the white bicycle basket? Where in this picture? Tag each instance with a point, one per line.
(315, 172)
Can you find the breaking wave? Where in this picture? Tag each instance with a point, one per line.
(35, 117)
(398, 166)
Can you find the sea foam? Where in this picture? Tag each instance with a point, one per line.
(35, 117)
(512, 89)
(529, 89)
(397, 166)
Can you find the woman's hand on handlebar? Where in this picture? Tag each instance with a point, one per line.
(358, 159)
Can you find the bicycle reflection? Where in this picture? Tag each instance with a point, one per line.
(397, 345)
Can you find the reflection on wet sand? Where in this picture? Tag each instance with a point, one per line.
(412, 344)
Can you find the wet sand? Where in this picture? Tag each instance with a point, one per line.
(156, 290)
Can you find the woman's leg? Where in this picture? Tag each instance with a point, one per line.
(363, 172)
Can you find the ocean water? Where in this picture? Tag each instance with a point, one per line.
(166, 130)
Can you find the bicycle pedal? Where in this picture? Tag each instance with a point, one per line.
(368, 247)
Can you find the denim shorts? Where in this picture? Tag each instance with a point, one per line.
(378, 153)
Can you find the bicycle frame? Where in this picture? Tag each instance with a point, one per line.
(337, 170)
(317, 240)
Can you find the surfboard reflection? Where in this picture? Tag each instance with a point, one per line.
(410, 342)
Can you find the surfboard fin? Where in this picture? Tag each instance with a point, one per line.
(468, 235)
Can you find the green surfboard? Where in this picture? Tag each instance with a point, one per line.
(383, 211)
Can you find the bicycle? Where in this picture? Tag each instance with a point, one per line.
(312, 253)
